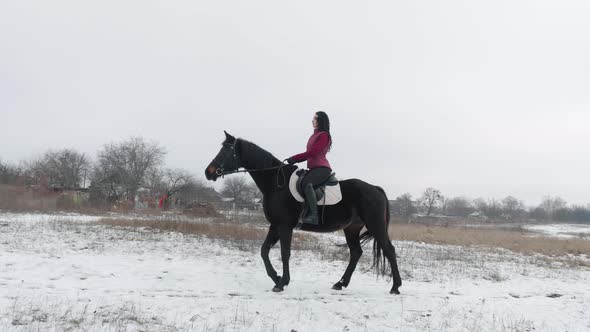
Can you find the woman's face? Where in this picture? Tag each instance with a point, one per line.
(314, 122)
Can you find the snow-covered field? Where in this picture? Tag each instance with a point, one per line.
(65, 272)
(562, 230)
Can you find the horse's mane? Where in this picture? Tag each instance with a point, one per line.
(257, 155)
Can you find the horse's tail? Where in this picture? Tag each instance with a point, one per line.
(387, 216)
(379, 260)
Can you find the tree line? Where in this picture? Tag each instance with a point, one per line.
(133, 168)
(120, 172)
(433, 202)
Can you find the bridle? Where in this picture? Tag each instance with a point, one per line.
(220, 165)
(220, 171)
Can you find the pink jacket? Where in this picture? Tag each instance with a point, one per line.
(317, 147)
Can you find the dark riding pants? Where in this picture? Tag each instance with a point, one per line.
(315, 176)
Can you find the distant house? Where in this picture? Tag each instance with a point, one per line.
(477, 215)
(252, 204)
(226, 203)
(208, 195)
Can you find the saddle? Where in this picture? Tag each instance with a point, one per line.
(327, 192)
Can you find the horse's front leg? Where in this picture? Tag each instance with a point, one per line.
(285, 234)
(271, 239)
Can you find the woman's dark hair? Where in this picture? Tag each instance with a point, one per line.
(324, 125)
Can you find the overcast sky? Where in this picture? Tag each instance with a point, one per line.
(475, 98)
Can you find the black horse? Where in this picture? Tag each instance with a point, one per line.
(362, 205)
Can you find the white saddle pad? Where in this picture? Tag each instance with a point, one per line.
(332, 196)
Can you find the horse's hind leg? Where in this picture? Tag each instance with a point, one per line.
(389, 252)
(384, 242)
(378, 228)
(354, 244)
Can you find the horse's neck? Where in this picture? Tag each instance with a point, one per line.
(254, 157)
(271, 181)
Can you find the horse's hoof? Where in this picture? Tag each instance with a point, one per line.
(394, 291)
(338, 285)
(277, 289)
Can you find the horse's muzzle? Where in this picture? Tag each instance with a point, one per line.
(211, 173)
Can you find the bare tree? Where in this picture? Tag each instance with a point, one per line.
(459, 206)
(537, 213)
(9, 174)
(154, 180)
(430, 199)
(480, 205)
(235, 187)
(64, 168)
(177, 178)
(177, 183)
(494, 208)
(491, 208)
(551, 204)
(169, 183)
(253, 191)
(125, 165)
(404, 206)
(513, 208)
(106, 183)
(33, 171)
(444, 204)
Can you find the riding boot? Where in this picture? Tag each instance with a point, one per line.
(312, 206)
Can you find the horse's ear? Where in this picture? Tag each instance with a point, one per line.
(228, 137)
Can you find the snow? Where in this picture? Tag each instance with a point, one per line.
(61, 272)
(562, 230)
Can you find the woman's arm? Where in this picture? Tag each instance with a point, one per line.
(318, 146)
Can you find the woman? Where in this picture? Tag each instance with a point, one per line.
(318, 145)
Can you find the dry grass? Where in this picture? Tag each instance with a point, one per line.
(245, 236)
(516, 240)
(249, 236)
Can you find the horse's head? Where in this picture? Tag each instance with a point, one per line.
(226, 160)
